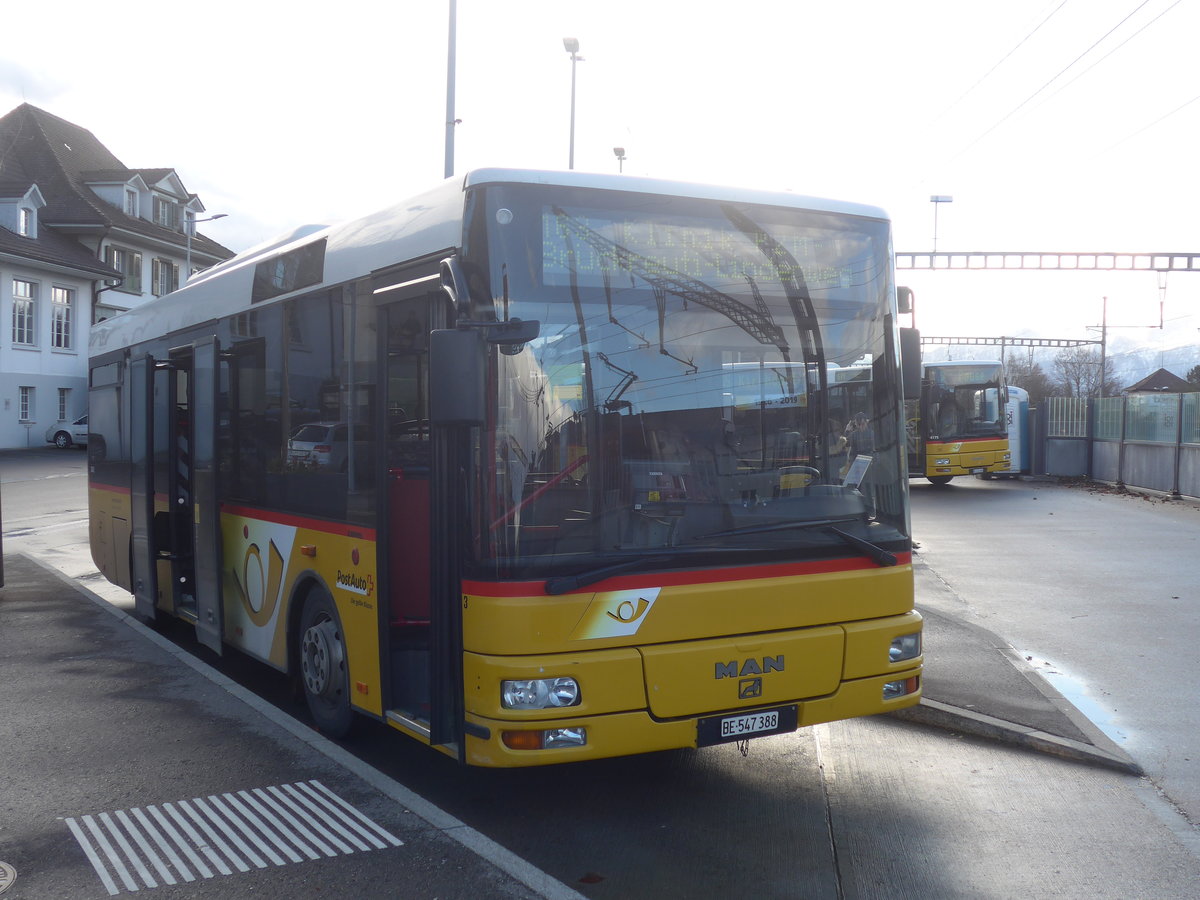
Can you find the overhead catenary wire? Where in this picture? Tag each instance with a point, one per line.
(1047, 84)
(1110, 52)
(1001, 61)
(1161, 118)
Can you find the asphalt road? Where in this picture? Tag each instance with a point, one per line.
(870, 808)
(1099, 589)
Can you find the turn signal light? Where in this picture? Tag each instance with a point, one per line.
(894, 689)
(549, 739)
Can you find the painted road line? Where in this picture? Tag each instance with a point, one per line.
(305, 819)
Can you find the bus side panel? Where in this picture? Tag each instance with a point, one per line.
(268, 558)
(108, 513)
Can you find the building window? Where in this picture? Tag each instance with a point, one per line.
(24, 307)
(131, 203)
(245, 325)
(26, 404)
(166, 213)
(165, 277)
(25, 225)
(64, 397)
(62, 301)
(129, 264)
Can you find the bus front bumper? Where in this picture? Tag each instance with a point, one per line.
(503, 744)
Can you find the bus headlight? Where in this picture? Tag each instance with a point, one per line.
(907, 646)
(942, 462)
(539, 693)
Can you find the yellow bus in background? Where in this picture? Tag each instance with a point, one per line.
(958, 426)
(533, 467)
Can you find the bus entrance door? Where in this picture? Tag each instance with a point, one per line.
(143, 551)
(163, 566)
(406, 564)
(176, 546)
(192, 532)
(205, 511)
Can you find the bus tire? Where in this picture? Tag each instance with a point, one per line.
(939, 479)
(324, 669)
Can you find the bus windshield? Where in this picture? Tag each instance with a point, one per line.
(678, 399)
(964, 401)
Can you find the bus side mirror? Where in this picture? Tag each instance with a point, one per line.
(904, 299)
(910, 363)
(513, 334)
(456, 377)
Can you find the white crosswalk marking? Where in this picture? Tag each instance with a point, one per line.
(234, 832)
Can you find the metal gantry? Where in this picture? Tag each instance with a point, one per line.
(1003, 342)
(1049, 261)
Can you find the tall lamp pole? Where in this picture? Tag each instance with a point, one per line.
(619, 153)
(937, 200)
(572, 46)
(450, 120)
(191, 229)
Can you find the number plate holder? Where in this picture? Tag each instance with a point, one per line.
(739, 726)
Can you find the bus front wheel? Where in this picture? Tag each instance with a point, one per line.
(939, 479)
(324, 670)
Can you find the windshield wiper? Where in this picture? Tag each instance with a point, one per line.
(565, 583)
(872, 551)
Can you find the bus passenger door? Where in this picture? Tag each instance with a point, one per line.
(206, 511)
(143, 552)
(414, 609)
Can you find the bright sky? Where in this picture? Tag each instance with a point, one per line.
(1055, 126)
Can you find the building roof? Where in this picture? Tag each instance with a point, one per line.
(54, 249)
(37, 147)
(1162, 382)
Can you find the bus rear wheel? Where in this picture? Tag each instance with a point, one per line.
(324, 670)
(939, 479)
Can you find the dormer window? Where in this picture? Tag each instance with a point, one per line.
(26, 223)
(166, 213)
(131, 203)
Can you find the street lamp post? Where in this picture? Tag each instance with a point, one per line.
(191, 229)
(937, 200)
(619, 153)
(572, 47)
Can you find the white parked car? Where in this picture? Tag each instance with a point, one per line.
(68, 434)
(319, 445)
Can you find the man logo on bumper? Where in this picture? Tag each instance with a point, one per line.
(752, 666)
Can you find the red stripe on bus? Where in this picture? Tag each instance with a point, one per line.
(343, 529)
(676, 579)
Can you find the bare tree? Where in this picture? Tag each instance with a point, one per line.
(1193, 375)
(1077, 371)
(1024, 372)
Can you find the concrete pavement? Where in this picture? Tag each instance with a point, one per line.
(108, 741)
(172, 744)
(976, 683)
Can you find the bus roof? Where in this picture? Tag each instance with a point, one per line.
(425, 224)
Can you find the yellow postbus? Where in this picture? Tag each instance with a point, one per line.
(533, 467)
(958, 426)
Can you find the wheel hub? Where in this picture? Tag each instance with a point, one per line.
(321, 657)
